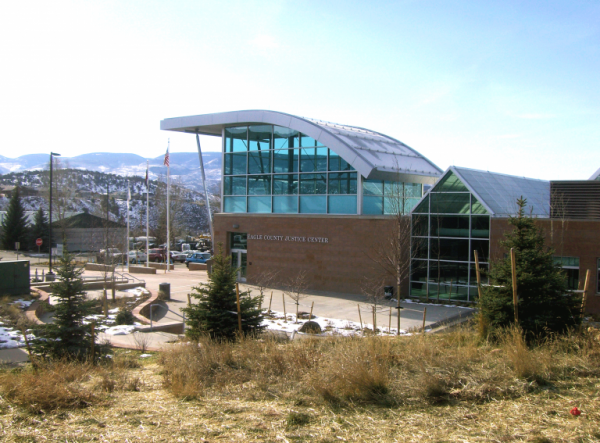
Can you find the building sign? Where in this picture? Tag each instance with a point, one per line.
(290, 238)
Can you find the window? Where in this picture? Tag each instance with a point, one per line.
(389, 197)
(571, 267)
(269, 168)
(598, 276)
(446, 227)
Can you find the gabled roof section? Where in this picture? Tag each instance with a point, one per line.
(595, 175)
(374, 155)
(498, 193)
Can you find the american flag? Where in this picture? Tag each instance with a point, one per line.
(146, 174)
(166, 162)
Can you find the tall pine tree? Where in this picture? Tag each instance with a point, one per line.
(14, 226)
(39, 230)
(545, 305)
(67, 337)
(215, 314)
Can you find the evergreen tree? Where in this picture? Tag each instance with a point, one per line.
(545, 305)
(39, 229)
(67, 337)
(14, 226)
(215, 314)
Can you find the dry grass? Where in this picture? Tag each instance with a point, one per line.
(447, 387)
(53, 386)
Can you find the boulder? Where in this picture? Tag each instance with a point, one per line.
(311, 327)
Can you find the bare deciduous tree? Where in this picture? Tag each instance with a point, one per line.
(264, 280)
(295, 287)
(373, 290)
(392, 257)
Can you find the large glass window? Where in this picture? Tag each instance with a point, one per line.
(313, 184)
(313, 204)
(259, 185)
(235, 163)
(285, 204)
(450, 203)
(342, 204)
(570, 266)
(342, 183)
(236, 139)
(313, 159)
(234, 204)
(285, 138)
(337, 163)
(259, 162)
(446, 227)
(389, 197)
(598, 274)
(259, 204)
(234, 185)
(259, 138)
(270, 168)
(285, 160)
(285, 184)
(449, 226)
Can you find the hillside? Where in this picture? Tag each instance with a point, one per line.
(185, 166)
(78, 190)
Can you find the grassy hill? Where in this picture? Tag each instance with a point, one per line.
(432, 388)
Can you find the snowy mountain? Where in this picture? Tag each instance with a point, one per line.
(185, 166)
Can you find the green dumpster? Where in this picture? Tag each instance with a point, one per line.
(14, 277)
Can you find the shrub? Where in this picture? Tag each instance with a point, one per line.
(57, 385)
(124, 317)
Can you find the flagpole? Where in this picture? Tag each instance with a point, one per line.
(168, 258)
(127, 238)
(147, 212)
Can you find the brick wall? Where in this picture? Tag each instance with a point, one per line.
(574, 238)
(339, 264)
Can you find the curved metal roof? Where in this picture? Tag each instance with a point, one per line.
(374, 155)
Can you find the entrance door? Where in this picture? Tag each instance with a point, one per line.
(238, 260)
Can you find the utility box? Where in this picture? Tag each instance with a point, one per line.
(14, 277)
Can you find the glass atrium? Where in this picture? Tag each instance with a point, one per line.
(274, 169)
(447, 226)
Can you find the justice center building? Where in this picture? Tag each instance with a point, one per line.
(304, 194)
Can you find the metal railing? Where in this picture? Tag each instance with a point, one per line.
(170, 310)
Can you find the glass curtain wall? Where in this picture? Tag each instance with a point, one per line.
(273, 169)
(388, 197)
(447, 226)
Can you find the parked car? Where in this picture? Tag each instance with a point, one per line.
(178, 256)
(157, 255)
(197, 257)
(137, 257)
(114, 256)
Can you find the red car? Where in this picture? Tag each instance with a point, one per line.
(157, 255)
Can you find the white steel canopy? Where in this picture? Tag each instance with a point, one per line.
(373, 155)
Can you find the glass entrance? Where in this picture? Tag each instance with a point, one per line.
(239, 261)
(238, 243)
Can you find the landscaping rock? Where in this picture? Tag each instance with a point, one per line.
(311, 327)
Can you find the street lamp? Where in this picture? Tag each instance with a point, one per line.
(50, 275)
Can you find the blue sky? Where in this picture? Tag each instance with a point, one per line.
(505, 86)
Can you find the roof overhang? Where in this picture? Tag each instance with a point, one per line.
(374, 155)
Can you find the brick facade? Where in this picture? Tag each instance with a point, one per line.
(573, 238)
(339, 264)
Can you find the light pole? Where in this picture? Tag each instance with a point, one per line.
(50, 275)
